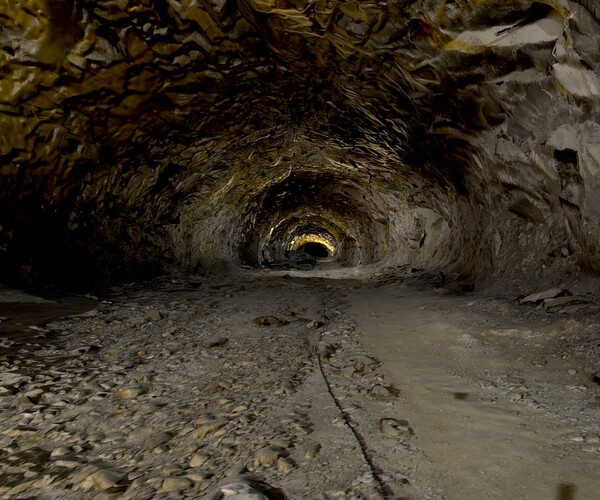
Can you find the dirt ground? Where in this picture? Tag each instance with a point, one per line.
(308, 388)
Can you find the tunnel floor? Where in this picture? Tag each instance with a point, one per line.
(181, 388)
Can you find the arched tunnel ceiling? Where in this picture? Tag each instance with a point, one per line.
(429, 134)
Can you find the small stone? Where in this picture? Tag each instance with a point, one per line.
(333, 370)
(156, 440)
(78, 351)
(191, 449)
(214, 342)
(312, 451)
(19, 489)
(590, 448)
(243, 490)
(172, 331)
(34, 395)
(96, 437)
(325, 349)
(202, 419)
(270, 321)
(171, 470)
(172, 484)
(267, 456)
(382, 392)
(199, 477)
(397, 429)
(137, 483)
(281, 442)
(7, 391)
(534, 298)
(213, 388)
(577, 387)
(130, 392)
(209, 428)
(68, 464)
(364, 363)
(62, 451)
(594, 402)
(154, 315)
(102, 479)
(565, 301)
(285, 466)
(198, 460)
(314, 325)
(571, 309)
(25, 402)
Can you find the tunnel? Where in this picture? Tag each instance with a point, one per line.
(315, 249)
(306, 237)
(190, 138)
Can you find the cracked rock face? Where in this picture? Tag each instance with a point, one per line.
(146, 136)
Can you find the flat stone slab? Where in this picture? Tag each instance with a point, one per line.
(534, 298)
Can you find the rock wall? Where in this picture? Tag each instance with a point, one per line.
(149, 136)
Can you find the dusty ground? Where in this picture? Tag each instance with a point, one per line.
(320, 388)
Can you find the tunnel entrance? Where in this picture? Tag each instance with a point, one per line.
(315, 249)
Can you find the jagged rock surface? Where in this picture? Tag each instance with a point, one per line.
(139, 136)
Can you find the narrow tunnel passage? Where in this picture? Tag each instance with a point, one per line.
(286, 235)
(315, 249)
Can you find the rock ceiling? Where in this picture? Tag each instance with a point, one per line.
(162, 134)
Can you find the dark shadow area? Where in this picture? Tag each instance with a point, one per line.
(314, 249)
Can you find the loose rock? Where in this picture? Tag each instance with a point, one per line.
(198, 460)
(209, 428)
(382, 392)
(156, 440)
(534, 298)
(62, 451)
(270, 321)
(248, 490)
(363, 363)
(397, 429)
(154, 315)
(214, 342)
(267, 456)
(325, 349)
(285, 466)
(312, 451)
(565, 301)
(172, 484)
(130, 392)
(102, 479)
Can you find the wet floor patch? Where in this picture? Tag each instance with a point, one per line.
(23, 315)
(461, 396)
(566, 492)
